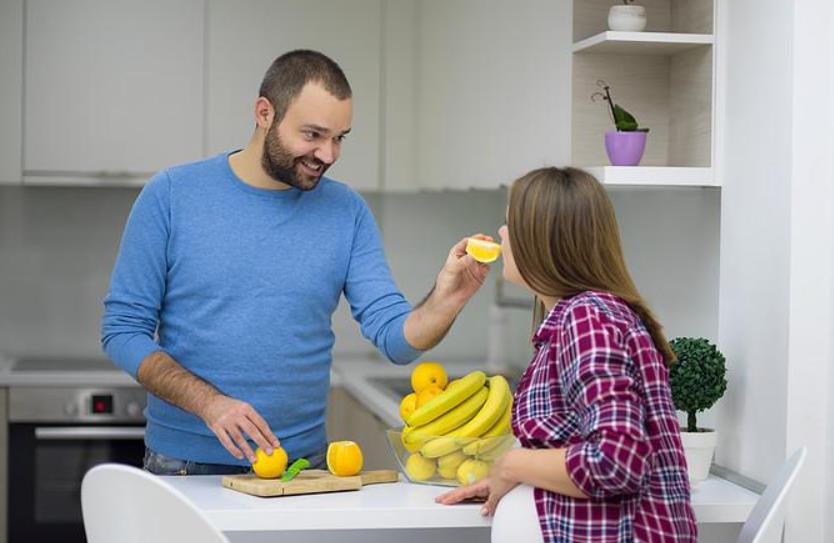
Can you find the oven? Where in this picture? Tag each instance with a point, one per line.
(56, 434)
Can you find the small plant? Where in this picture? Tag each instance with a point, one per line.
(697, 378)
(623, 120)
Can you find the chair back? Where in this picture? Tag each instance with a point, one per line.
(126, 504)
(768, 509)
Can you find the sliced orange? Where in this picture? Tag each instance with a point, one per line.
(483, 250)
(344, 458)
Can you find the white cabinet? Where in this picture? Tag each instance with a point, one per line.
(492, 90)
(245, 37)
(113, 90)
(11, 85)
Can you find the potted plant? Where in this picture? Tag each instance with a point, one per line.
(697, 380)
(625, 144)
(627, 17)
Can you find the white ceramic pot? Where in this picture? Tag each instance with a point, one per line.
(627, 18)
(699, 448)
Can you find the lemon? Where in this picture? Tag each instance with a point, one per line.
(408, 405)
(447, 465)
(471, 471)
(428, 373)
(483, 250)
(419, 468)
(270, 466)
(344, 458)
(427, 394)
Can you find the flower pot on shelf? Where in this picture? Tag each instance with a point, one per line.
(699, 448)
(625, 148)
(627, 18)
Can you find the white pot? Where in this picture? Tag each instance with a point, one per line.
(699, 448)
(627, 18)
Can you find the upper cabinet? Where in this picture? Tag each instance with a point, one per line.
(11, 84)
(663, 76)
(113, 91)
(245, 37)
(491, 91)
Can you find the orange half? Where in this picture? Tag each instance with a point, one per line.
(344, 458)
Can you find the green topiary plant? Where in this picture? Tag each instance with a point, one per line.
(697, 378)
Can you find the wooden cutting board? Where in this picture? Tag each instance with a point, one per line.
(310, 481)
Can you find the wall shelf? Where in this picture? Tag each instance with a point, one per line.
(641, 43)
(658, 176)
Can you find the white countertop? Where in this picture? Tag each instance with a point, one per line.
(394, 506)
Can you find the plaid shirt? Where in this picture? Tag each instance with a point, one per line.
(599, 387)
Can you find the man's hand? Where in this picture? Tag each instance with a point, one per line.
(232, 420)
(461, 275)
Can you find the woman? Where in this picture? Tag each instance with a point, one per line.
(601, 456)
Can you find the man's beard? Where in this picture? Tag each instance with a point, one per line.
(280, 164)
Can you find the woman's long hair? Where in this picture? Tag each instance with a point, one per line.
(565, 240)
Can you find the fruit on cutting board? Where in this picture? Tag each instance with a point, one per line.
(483, 250)
(459, 432)
(344, 458)
(270, 466)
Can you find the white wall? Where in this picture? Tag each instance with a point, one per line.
(775, 318)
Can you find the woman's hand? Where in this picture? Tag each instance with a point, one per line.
(493, 488)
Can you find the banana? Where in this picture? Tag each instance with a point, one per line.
(455, 394)
(492, 410)
(493, 437)
(442, 446)
(451, 420)
(504, 445)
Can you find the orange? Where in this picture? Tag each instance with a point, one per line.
(408, 405)
(344, 458)
(427, 394)
(428, 373)
(270, 466)
(483, 250)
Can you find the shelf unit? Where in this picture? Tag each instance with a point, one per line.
(664, 76)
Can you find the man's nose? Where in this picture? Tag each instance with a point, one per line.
(327, 152)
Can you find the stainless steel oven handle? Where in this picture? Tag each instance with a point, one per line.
(90, 433)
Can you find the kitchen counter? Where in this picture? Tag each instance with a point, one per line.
(98, 374)
(395, 506)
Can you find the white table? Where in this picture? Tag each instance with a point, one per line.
(400, 507)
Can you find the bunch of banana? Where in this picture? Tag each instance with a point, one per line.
(462, 429)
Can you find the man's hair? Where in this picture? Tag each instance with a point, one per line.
(288, 74)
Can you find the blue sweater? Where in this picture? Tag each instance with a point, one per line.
(238, 285)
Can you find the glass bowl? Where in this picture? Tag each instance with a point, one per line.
(463, 460)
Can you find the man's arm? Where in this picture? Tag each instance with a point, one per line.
(460, 277)
(228, 418)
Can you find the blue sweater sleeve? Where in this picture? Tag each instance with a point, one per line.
(375, 301)
(137, 284)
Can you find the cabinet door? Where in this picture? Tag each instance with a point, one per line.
(11, 89)
(493, 93)
(112, 88)
(244, 37)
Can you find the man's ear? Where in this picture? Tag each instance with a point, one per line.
(264, 113)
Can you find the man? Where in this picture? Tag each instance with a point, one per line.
(237, 263)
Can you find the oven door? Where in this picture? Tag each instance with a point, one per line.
(46, 466)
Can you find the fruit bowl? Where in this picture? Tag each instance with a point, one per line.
(446, 460)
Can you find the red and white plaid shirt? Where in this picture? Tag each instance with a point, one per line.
(599, 387)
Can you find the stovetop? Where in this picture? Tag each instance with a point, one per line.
(61, 364)
(36, 370)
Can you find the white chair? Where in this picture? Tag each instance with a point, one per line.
(768, 509)
(125, 504)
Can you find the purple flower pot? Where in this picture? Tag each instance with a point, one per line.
(625, 148)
